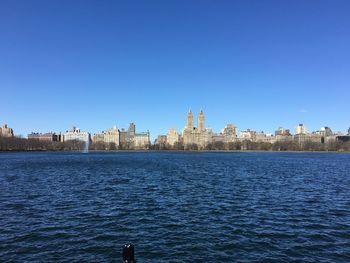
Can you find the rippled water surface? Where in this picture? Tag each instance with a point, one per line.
(175, 207)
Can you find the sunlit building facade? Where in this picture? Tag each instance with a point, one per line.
(76, 134)
(5, 131)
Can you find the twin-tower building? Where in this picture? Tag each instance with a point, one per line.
(200, 135)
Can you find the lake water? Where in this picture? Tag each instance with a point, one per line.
(175, 207)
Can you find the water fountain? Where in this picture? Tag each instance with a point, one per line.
(86, 146)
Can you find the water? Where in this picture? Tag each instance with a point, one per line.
(86, 146)
(175, 207)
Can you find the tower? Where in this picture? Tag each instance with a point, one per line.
(189, 120)
(201, 121)
(301, 129)
(132, 129)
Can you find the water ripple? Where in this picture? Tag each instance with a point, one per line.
(175, 207)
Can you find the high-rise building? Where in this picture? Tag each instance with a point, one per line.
(192, 135)
(132, 129)
(134, 140)
(301, 129)
(189, 120)
(122, 138)
(201, 121)
(112, 136)
(5, 131)
(172, 137)
(142, 140)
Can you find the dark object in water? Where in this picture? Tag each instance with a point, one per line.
(128, 253)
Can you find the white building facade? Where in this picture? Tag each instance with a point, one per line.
(76, 134)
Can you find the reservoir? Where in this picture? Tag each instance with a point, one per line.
(175, 206)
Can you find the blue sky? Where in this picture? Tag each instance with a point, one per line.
(93, 64)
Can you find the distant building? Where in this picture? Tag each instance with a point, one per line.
(5, 131)
(230, 133)
(131, 130)
(98, 137)
(282, 134)
(218, 138)
(109, 136)
(349, 131)
(142, 140)
(323, 135)
(161, 140)
(134, 140)
(247, 135)
(200, 136)
(325, 132)
(343, 138)
(254, 136)
(172, 137)
(301, 138)
(260, 137)
(282, 131)
(76, 134)
(44, 137)
(272, 139)
(301, 129)
(122, 138)
(112, 136)
(308, 137)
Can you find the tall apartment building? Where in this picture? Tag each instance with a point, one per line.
(282, 134)
(230, 132)
(301, 129)
(108, 136)
(200, 136)
(172, 136)
(76, 134)
(131, 139)
(141, 140)
(5, 131)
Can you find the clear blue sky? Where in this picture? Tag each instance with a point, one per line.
(93, 64)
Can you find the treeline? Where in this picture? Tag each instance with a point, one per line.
(260, 146)
(23, 144)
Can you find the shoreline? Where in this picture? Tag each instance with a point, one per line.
(164, 151)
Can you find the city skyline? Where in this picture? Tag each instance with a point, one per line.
(192, 121)
(153, 136)
(195, 135)
(260, 65)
